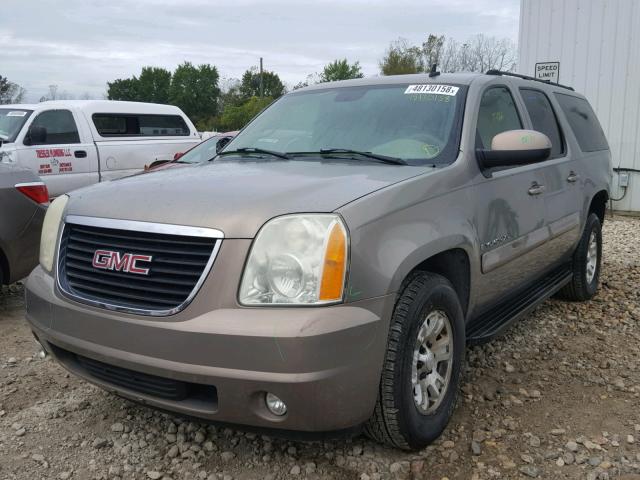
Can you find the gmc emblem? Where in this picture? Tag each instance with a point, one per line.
(120, 262)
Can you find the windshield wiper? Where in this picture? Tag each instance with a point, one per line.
(348, 151)
(254, 150)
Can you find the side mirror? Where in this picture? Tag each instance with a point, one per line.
(513, 148)
(36, 135)
(222, 142)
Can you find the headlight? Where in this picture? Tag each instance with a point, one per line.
(50, 229)
(297, 259)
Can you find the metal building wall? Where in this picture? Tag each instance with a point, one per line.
(597, 43)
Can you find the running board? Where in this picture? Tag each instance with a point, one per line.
(490, 324)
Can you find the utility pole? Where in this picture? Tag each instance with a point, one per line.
(261, 83)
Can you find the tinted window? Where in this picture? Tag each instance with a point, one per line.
(543, 118)
(584, 123)
(60, 125)
(395, 120)
(498, 113)
(134, 125)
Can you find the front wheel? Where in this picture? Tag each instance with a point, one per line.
(585, 263)
(422, 366)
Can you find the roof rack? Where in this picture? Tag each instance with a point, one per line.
(527, 77)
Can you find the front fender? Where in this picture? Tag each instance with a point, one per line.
(385, 248)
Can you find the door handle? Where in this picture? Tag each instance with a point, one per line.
(573, 177)
(536, 189)
(80, 154)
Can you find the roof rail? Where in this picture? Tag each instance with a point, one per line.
(527, 77)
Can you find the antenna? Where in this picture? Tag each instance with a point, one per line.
(434, 72)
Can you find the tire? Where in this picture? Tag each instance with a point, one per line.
(398, 420)
(583, 285)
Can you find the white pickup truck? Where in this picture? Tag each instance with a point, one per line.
(74, 143)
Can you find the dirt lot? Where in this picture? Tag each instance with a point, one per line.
(557, 397)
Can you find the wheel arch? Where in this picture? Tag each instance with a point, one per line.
(598, 204)
(453, 264)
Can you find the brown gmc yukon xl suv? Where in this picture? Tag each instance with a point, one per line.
(326, 268)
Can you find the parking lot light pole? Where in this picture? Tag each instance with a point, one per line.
(261, 83)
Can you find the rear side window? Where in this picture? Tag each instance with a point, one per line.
(498, 113)
(59, 125)
(543, 118)
(583, 122)
(139, 125)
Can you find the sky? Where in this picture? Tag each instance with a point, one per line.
(79, 45)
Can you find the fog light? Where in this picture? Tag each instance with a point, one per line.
(275, 405)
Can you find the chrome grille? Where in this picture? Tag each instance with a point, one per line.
(180, 260)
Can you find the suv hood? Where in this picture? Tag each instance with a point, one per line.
(236, 196)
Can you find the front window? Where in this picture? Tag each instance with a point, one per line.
(11, 122)
(498, 113)
(416, 123)
(59, 126)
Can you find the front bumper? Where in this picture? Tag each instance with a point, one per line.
(324, 362)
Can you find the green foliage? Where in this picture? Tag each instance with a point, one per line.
(230, 97)
(10, 92)
(234, 117)
(432, 50)
(402, 59)
(340, 70)
(123, 89)
(195, 90)
(153, 85)
(250, 84)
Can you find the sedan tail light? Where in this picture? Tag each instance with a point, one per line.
(36, 191)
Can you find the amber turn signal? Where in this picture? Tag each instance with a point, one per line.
(335, 264)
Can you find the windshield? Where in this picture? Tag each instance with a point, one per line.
(11, 122)
(416, 123)
(202, 152)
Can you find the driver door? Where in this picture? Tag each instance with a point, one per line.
(57, 154)
(510, 207)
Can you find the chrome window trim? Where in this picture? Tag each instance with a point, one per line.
(148, 227)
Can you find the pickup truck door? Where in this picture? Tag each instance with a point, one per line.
(510, 208)
(64, 156)
(562, 177)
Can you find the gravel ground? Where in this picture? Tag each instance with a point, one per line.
(558, 396)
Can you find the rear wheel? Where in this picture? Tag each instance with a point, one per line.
(422, 367)
(585, 263)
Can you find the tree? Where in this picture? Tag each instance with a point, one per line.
(271, 83)
(151, 86)
(123, 89)
(154, 85)
(195, 90)
(310, 80)
(478, 54)
(401, 59)
(10, 92)
(432, 50)
(235, 117)
(340, 70)
(229, 93)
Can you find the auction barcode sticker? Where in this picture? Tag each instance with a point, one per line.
(16, 113)
(433, 88)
